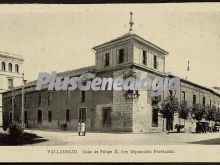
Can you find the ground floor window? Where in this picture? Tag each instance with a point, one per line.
(106, 117)
(49, 116)
(155, 118)
(67, 115)
(39, 116)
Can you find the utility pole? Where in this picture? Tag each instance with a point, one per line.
(22, 101)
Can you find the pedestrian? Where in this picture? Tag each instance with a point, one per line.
(83, 128)
(79, 128)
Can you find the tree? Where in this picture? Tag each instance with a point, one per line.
(217, 115)
(170, 106)
(183, 111)
(210, 113)
(198, 111)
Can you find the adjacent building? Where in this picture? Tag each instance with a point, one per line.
(10, 74)
(109, 110)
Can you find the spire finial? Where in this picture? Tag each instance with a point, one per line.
(131, 23)
(188, 68)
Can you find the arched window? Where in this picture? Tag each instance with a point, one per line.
(9, 67)
(16, 68)
(3, 65)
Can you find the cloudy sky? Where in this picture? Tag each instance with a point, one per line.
(60, 37)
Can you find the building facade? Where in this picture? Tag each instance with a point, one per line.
(108, 110)
(10, 74)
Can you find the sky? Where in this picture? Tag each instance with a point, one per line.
(61, 37)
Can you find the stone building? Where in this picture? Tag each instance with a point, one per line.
(108, 110)
(10, 74)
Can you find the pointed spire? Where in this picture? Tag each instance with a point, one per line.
(131, 23)
(188, 69)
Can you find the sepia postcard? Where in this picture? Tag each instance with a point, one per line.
(110, 82)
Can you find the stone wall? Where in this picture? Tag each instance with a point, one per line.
(122, 107)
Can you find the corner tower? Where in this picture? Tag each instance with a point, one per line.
(121, 56)
(130, 49)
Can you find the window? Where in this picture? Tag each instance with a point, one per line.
(155, 117)
(106, 59)
(49, 116)
(155, 62)
(3, 66)
(194, 99)
(183, 95)
(203, 100)
(16, 68)
(39, 116)
(121, 56)
(67, 96)
(48, 98)
(39, 98)
(10, 83)
(144, 57)
(83, 96)
(106, 117)
(67, 115)
(10, 67)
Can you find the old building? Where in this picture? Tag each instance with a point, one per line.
(107, 110)
(10, 74)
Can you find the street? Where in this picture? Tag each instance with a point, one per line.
(92, 138)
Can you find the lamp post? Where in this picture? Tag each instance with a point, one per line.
(12, 105)
(22, 101)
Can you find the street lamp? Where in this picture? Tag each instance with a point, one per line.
(22, 100)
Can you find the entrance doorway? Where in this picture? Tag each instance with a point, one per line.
(10, 117)
(106, 117)
(169, 124)
(39, 116)
(82, 115)
(25, 119)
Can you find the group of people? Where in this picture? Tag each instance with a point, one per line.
(82, 128)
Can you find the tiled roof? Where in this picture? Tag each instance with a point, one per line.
(78, 71)
(69, 73)
(127, 35)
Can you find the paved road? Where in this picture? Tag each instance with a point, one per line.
(72, 138)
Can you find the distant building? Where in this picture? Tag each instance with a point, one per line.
(108, 110)
(10, 74)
